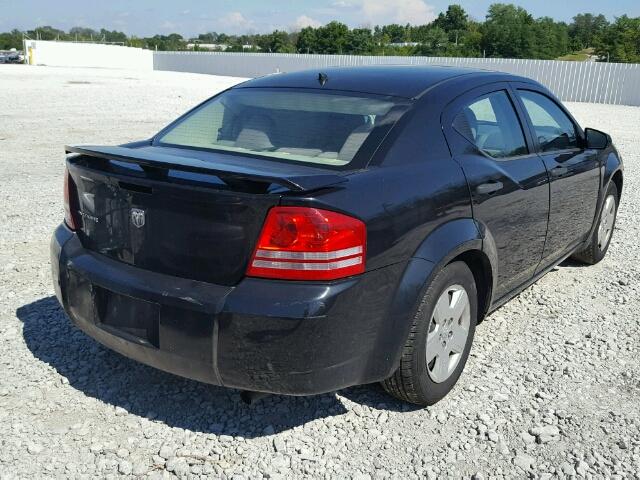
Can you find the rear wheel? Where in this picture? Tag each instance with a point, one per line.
(601, 237)
(440, 339)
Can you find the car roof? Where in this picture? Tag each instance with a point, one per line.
(408, 81)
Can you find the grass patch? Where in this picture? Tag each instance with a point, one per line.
(580, 56)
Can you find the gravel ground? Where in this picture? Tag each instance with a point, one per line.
(551, 388)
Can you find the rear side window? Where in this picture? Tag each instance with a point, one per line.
(307, 126)
(554, 129)
(492, 125)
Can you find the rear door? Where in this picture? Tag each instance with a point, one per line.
(573, 171)
(507, 179)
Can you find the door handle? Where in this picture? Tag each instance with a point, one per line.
(559, 171)
(489, 188)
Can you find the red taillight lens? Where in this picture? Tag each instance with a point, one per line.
(301, 243)
(70, 200)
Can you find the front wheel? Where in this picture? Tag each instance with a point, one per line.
(601, 237)
(440, 339)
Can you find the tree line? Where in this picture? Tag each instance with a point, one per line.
(508, 31)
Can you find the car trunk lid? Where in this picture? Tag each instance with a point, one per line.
(194, 215)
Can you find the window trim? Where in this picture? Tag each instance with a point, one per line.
(517, 87)
(454, 107)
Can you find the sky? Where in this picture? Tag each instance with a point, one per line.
(189, 17)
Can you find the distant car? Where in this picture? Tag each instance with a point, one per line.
(12, 56)
(15, 57)
(304, 232)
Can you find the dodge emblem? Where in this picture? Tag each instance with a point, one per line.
(137, 217)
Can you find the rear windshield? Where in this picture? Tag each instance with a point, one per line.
(327, 128)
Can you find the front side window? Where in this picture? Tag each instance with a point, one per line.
(306, 126)
(554, 129)
(492, 125)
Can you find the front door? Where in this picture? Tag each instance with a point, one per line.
(507, 179)
(573, 171)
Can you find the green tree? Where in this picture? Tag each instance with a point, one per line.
(419, 32)
(83, 33)
(47, 33)
(113, 36)
(396, 33)
(307, 41)
(454, 22)
(360, 42)
(508, 32)
(470, 43)
(435, 42)
(276, 42)
(134, 41)
(332, 38)
(12, 39)
(585, 29)
(620, 41)
(170, 42)
(551, 39)
(210, 37)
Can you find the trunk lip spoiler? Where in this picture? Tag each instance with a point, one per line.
(298, 183)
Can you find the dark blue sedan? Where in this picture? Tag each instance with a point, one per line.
(300, 233)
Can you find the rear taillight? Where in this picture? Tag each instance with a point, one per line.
(70, 201)
(301, 243)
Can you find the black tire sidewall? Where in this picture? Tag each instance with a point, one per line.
(456, 273)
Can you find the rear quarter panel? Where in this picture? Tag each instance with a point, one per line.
(410, 188)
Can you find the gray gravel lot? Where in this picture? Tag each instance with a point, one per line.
(551, 388)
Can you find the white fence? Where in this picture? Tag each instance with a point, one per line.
(613, 83)
(71, 54)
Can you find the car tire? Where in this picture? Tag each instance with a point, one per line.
(602, 234)
(421, 377)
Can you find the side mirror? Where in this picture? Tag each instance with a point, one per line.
(596, 139)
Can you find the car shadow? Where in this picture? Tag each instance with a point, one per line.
(178, 402)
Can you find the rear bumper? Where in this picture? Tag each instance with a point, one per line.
(285, 337)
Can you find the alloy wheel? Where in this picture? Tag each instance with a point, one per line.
(448, 333)
(607, 219)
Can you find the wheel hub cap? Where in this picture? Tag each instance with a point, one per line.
(607, 219)
(448, 333)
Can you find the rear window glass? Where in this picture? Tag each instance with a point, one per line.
(327, 128)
